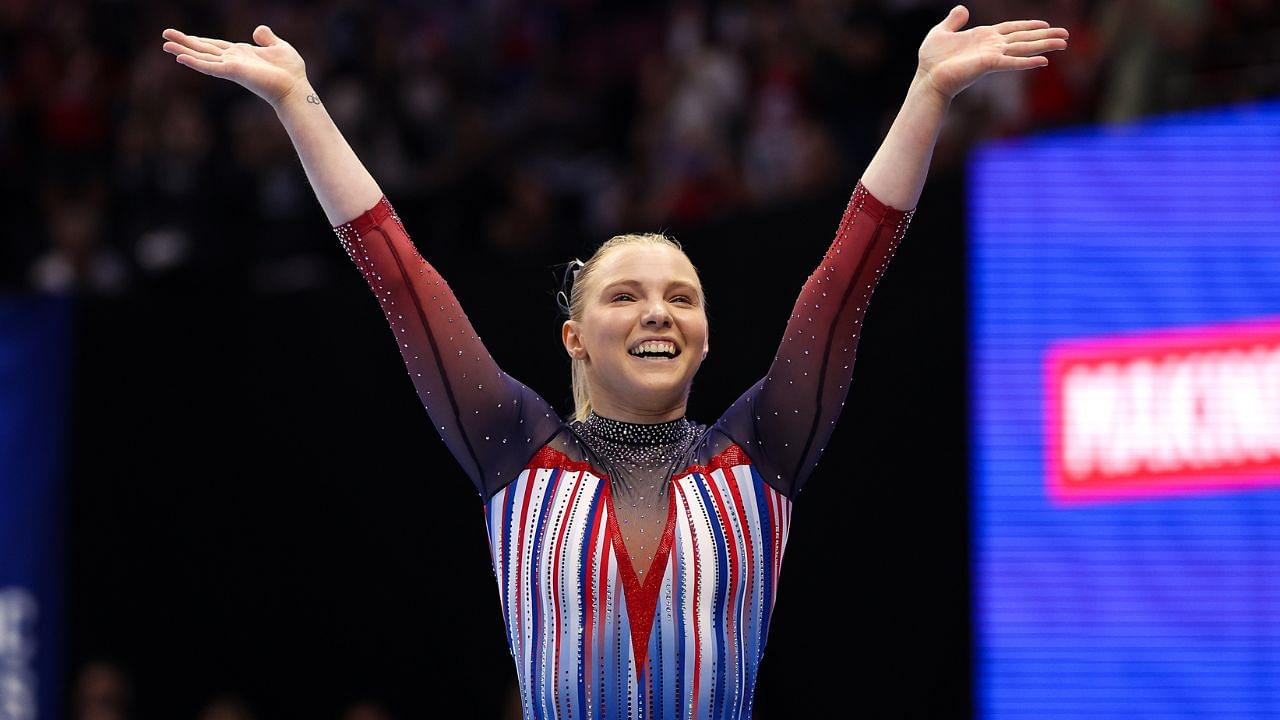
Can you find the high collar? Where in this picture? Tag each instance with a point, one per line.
(639, 434)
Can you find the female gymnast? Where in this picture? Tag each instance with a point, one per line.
(636, 551)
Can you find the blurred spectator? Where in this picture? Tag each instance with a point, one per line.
(102, 691)
(366, 710)
(226, 707)
(1148, 45)
(787, 151)
(1063, 92)
(78, 260)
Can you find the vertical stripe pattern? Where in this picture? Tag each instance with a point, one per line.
(569, 614)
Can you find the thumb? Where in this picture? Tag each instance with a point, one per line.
(956, 19)
(263, 36)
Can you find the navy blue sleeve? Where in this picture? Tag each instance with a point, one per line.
(492, 423)
(784, 421)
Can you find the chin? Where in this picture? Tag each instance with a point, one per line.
(673, 382)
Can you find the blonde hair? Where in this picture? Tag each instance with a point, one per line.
(578, 305)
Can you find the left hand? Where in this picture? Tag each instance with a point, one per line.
(951, 60)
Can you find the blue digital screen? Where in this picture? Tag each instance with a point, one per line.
(34, 382)
(1125, 414)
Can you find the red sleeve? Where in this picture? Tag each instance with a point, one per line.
(490, 421)
(784, 421)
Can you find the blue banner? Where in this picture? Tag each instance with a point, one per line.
(34, 364)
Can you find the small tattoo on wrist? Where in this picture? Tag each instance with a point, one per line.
(313, 99)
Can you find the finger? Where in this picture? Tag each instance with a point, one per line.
(264, 36)
(190, 41)
(176, 49)
(956, 19)
(1007, 62)
(216, 69)
(1029, 35)
(1016, 25)
(1026, 49)
(220, 44)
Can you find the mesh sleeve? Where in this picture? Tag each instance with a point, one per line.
(784, 421)
(491, 422)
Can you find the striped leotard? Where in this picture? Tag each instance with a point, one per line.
(637, 565)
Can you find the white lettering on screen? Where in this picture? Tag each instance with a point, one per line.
(17, 649)
(1188, 413)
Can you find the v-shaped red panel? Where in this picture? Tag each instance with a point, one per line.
(642, 600)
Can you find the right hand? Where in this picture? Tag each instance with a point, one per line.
(272, 69)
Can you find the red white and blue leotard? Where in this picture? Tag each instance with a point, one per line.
(592, 633)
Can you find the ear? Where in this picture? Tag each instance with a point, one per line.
(706, 346)
(572, 340)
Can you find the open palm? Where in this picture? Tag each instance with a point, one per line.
(271, 69)
(952, 59)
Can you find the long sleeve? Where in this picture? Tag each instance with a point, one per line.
(784, 421)
(491, 422)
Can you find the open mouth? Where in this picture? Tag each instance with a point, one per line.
(655, 351)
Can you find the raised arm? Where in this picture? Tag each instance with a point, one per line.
(950, 60)
(491, 422)
(274, 71)
(785, 420)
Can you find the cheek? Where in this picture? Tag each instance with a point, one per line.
(696, 332)
(604, 330)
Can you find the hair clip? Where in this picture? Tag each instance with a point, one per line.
(566, 284)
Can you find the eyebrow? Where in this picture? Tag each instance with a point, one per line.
(634, 283)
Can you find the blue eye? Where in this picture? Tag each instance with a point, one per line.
(620, 295)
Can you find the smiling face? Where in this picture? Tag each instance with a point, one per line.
(636, 293)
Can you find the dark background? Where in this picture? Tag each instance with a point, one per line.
(263, 522)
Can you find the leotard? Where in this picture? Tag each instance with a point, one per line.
(637, 565)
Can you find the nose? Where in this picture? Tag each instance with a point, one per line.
(656, 315)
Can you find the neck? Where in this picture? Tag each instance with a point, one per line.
(640, 416)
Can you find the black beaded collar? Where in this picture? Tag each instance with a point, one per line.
(637, 457)
(638, 434)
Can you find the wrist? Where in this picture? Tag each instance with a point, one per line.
(923, 83)
(300, 93)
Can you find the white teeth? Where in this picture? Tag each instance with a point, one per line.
(654, 347)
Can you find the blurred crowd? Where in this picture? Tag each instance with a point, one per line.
(523, 127)
(103, 690)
